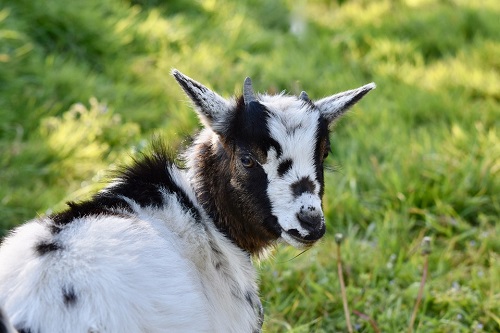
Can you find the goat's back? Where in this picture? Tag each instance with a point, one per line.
(100, 274)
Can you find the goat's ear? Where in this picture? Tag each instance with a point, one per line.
(334, 106)
(212, 108)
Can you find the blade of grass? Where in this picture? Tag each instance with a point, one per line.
(364, 316)
(339, 238)
(426, 249)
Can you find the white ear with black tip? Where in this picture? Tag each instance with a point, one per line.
(210, 106)
(335, 106)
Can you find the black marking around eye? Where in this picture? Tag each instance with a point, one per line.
(284, 166)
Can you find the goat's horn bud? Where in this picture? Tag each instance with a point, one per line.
(303, 96)
(248, 95)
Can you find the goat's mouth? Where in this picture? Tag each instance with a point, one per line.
(294, 234)
(307, 240)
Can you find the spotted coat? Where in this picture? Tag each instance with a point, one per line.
(169, 248)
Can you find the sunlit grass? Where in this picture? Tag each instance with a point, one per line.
(83, 87)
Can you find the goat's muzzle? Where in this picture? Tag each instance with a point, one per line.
(313, 222)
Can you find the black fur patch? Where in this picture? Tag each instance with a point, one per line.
(322, 146)
(249, 298)
(45, 247)
(275, 144)
(254, 301)
(3, 322)
(143, 182)
(23, 330)
(304, 185)
(250, 128)
(100, 204)
(284, 166)
(69, 296)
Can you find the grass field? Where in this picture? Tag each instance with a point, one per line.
(83, 86)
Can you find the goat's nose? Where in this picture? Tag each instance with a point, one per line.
(310, 217)
(313, 221)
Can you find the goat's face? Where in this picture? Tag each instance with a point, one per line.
(276, 147)
(282, 140)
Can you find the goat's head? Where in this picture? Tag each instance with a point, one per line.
(271, 150)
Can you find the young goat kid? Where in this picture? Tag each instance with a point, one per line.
(169, 249)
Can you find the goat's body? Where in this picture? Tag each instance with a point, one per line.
(143, 269)
(166, 249)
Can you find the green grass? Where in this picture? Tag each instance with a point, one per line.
(84, 86)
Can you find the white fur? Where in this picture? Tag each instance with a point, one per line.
(131, 275)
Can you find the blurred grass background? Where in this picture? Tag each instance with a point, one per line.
(84, 85)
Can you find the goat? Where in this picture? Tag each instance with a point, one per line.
(169, 248)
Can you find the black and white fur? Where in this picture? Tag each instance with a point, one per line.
(165, 248)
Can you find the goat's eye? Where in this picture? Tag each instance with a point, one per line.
(247, 161)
